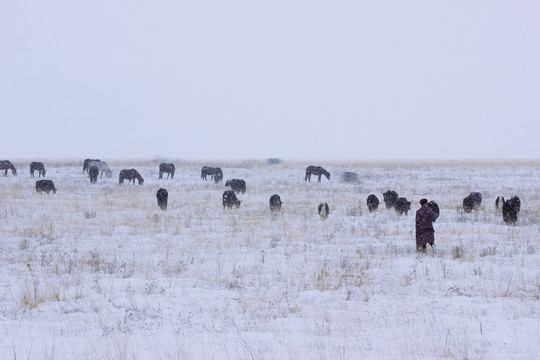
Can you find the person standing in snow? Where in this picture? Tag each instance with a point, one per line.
(425, 234)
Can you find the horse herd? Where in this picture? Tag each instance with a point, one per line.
(95, 167)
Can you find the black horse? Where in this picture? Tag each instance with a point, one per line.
(93, 172)
(86, 162)
(162, 196)
(6, 165)
(36, 165)
(130, 175)
(167, 168)
(316, 170)
(275, 202)
(215, 174)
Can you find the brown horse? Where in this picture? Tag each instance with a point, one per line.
(316, 170)
(166, 168)
(130, 175)
(36, 165)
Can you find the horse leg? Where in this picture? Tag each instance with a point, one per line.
(319, 179)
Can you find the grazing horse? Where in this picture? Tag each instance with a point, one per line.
(36, 165)
(86, 162)
(390, 197)
(372, 202)
(6, 165)
(323, 210)
(45, 185)
(130, 175)
(510, 210)
(215, 174)
(275, 202)
(205, 171)
(168, 168)
(316, 170)
(218, 175)
(93, 171)
(237, 185)
(230, 200)
(102, 168)
(162, 196)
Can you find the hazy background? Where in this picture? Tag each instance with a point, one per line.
(290, 79)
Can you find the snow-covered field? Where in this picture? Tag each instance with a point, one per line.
(97, 271)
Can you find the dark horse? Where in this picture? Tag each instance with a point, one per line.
(86, 162)
(6, 165)
(130, 175)
(35, 165)
(167, 168)
(216, 173)
(316, 170)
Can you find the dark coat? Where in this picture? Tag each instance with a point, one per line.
(425, 234)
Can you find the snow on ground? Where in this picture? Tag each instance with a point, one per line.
(97, 271)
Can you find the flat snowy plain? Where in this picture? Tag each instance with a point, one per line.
(97, 271)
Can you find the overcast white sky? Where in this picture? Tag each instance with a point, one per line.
(290, 79)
